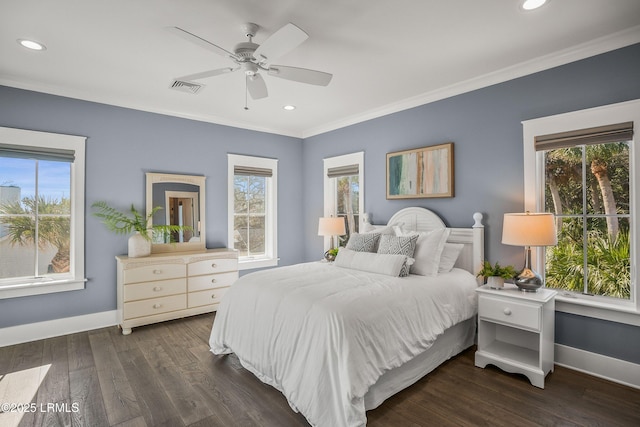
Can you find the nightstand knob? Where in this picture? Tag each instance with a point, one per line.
(507, 311)
(157, 288)
(213, 280)
(157, 271)
(213, 296)
(214, 265)
(157, 305)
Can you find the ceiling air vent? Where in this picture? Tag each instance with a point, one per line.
(188, 87)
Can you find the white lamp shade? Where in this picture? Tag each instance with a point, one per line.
(332, 226)
(529, 229)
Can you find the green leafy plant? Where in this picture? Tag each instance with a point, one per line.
(126, 223)
(488, 270)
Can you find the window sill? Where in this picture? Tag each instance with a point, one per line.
(40, 288)
(248, 264)
(576, 304)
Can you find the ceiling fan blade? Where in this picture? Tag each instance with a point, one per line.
(282, 41)
(256, 86)
(201, 42)
(210, 73)
(302, 75)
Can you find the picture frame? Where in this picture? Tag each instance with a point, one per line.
(425, 172)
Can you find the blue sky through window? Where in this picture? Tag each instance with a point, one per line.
(54, 177)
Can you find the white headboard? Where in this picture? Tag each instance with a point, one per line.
(422, 219)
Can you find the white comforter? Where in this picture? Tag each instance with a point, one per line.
(322, 334)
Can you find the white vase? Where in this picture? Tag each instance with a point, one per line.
(495, 282)
(139, 246)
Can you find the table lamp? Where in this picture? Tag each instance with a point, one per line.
(331, 226)
(529, 229)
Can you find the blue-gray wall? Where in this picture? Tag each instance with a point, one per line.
(485, 126)
(122, 145)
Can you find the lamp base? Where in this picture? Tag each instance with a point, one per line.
(528, 280)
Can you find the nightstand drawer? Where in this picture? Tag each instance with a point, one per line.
(154, 272)
(211, 266)
(200, 298)
(149, 307)
(222, 280)
(510, 312)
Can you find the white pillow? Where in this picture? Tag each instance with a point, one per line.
(381, 229)
(449, 256)
(388, 264)
(428, 249)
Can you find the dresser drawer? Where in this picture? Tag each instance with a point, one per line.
(510, 312)
(149, 307)
(218, 265)
(154, 272)
(212, 296)
(162, 288)
(210, 281)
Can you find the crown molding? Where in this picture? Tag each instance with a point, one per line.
(582, 51)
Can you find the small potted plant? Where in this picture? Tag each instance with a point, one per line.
(496, 274)
(331, 254)
(139, 244)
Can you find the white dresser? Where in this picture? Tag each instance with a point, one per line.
(169, 286)
(516, 331)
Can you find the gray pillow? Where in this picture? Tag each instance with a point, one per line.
(399, 246)
(363, 242)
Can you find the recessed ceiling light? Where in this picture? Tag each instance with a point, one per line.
(30, 44)
(289, 107)
(532, 4)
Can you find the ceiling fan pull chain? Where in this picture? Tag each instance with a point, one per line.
(246, 91)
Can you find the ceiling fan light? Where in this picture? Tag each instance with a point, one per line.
(31, 44)
(532, 4)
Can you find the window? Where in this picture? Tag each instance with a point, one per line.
(41, 212)
(580, 166)
(252, 210)
(343, 189)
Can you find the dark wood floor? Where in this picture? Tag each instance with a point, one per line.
(164, 375)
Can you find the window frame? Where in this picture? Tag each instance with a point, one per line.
(624, 311)
(75, 280)
(271, 210)
(330, 188)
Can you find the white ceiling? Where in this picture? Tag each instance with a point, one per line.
(385, 56)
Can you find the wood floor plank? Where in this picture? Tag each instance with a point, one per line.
(80, 355)
(118, 397)
(86, 395)
(190, 404)
(155, 405)
(165, 374)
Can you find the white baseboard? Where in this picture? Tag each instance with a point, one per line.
(54, 328)
(598, 365)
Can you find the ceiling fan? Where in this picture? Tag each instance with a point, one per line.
(253, 58)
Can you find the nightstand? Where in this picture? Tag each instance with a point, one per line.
(516, 331)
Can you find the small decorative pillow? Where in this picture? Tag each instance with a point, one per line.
(449, 256)
(398, 245)
(428, 249)
(367, 242)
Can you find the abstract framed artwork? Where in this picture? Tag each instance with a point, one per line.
(421, 172)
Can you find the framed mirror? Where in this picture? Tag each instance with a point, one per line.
(182, 199)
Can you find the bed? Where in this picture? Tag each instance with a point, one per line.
(338, 341)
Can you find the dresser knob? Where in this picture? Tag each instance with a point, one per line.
(213, 280)
(213, 296)
(157, 288)
(507, 311)
(157, 305)
(157, 271)
(214, 265)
